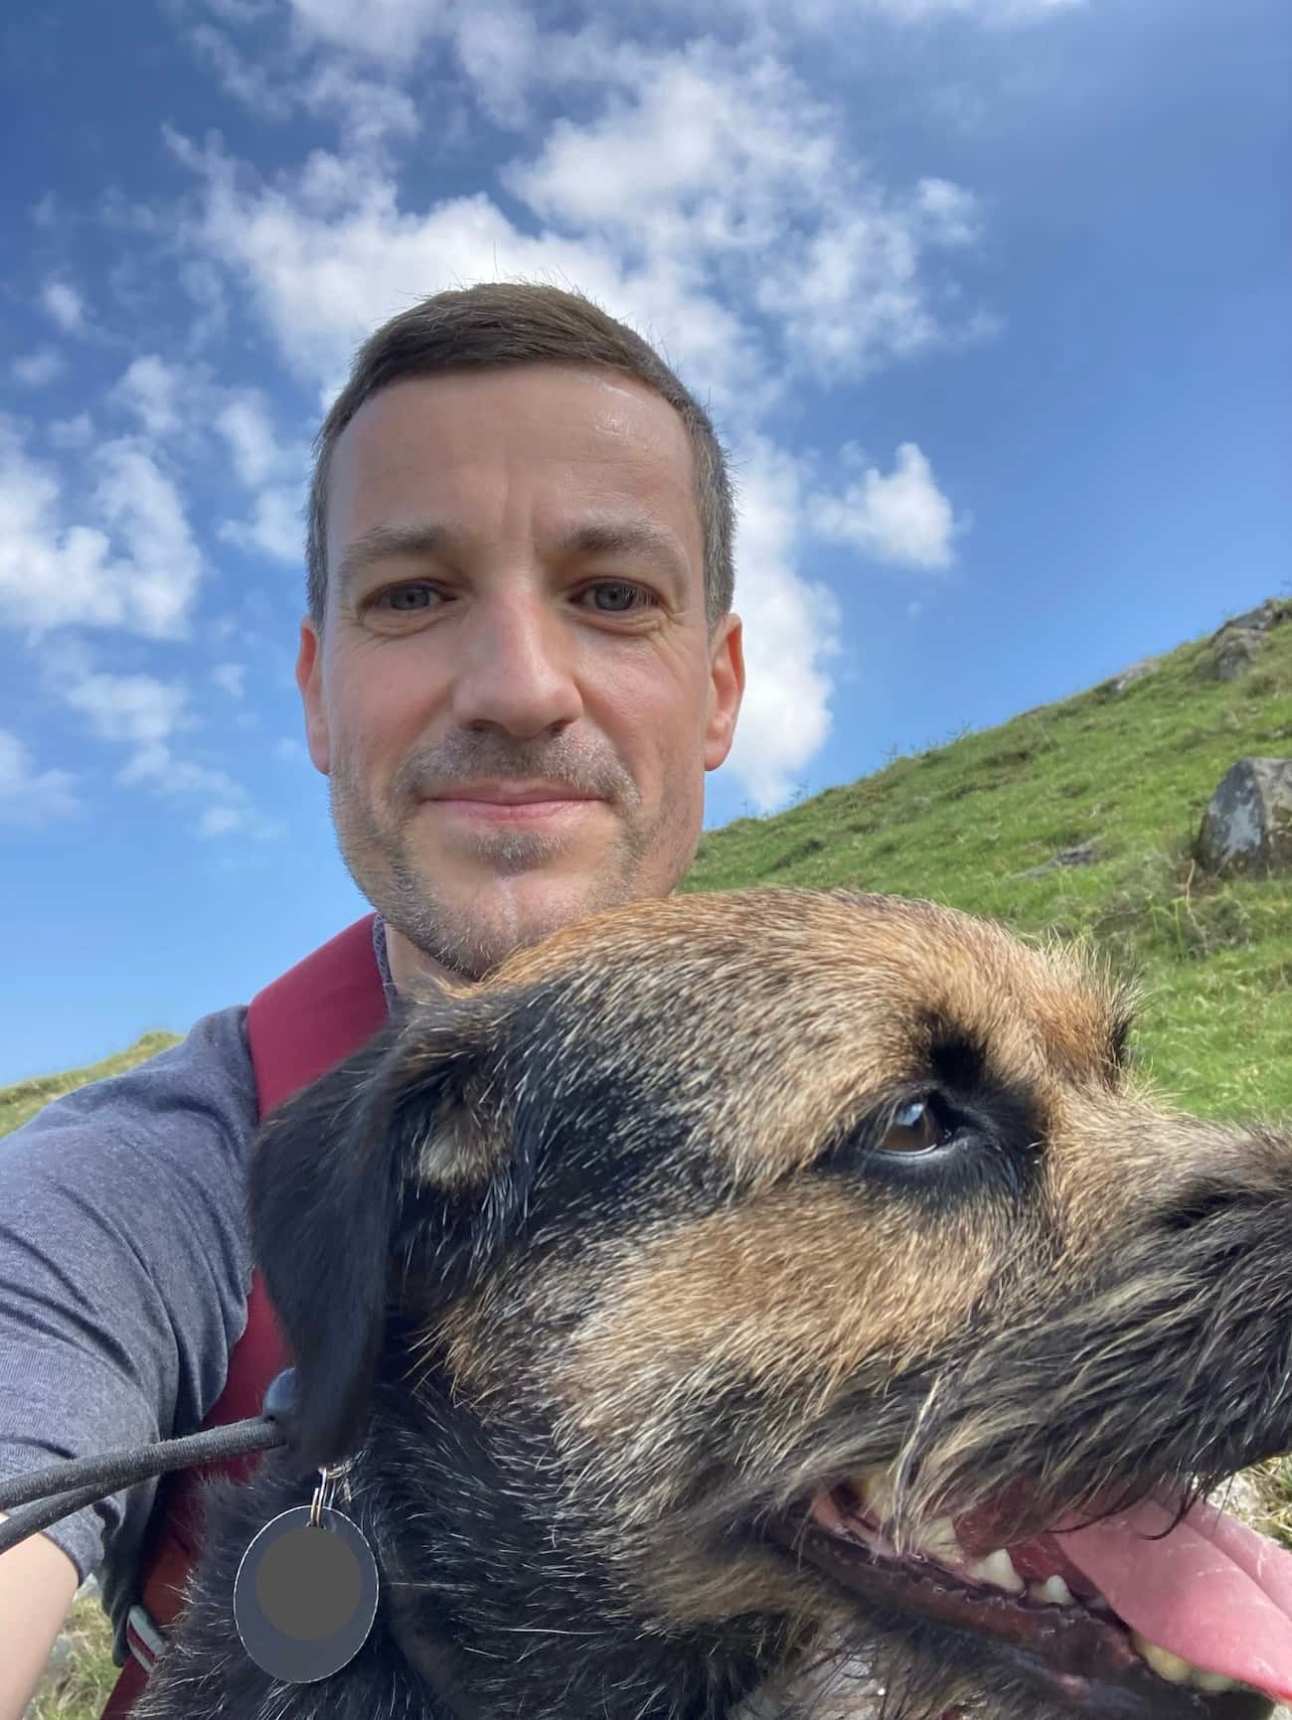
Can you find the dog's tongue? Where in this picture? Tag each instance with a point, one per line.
(1211, 1590)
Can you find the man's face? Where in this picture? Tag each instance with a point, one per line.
(472, 654)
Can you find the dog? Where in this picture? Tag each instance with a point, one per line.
(737, 1287)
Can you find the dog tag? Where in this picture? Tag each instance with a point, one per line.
(305, 1595)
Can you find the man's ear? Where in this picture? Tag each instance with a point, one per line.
(309, 679)
(393, 1153)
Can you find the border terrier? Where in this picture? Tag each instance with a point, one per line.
(737, 1285)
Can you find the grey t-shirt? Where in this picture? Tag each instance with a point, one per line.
(125, 1266)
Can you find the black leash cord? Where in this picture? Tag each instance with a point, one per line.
(65, 1488)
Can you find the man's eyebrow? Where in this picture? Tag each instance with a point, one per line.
(641, 537)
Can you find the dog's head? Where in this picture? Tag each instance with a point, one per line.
(809, 1266)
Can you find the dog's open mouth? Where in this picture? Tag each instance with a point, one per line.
(1134, 1613)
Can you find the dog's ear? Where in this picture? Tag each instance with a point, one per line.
(395, 1152)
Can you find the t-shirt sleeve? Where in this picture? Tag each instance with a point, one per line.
(125, 1263)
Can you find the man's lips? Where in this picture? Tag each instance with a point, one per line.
(504, 793)
(507, 801)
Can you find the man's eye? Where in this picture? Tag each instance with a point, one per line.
(915, 1128)
(404, 598)
(621, 594)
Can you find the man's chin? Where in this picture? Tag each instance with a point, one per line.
(468, 923)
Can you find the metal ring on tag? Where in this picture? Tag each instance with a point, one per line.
(306, 1591)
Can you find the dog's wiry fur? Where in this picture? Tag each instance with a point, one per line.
(607, 1266)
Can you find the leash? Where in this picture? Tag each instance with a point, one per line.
(67, 1487)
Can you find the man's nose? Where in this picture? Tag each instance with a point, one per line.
(515, 667)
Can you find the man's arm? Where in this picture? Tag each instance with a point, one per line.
(124, 1258)
(37, 1585)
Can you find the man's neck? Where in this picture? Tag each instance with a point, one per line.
(411, 968)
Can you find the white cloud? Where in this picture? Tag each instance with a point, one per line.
(791, 627)
(393, 30)
(248, 82)
(244, 424)
(145, 714)
(858, 293)
(370, 114)
(27, 796)
(221, 821)
(156, 765)
(135, 567)
(140, 501)
(706, 165)
(152, 389)
(276, 528)
(241, 11)
(714, 140)
(232, 677)
(139, 710)
(952, 213)
(65, 305)
(903, 518)
(71, 433)
(988, 12)
(825, 16)
(229, 810)
(38, 369)
(276, 474)
(500, 49)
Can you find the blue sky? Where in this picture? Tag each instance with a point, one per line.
(988, 298)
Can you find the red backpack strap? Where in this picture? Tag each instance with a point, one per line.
(298, 1027)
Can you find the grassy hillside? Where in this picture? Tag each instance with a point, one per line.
(25, 1098)
(977, 824)
(970, 824)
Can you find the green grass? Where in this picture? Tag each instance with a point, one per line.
(966, 824)
(78, 1688)
(25, 1098)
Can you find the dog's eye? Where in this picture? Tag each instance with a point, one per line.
(915, 1128)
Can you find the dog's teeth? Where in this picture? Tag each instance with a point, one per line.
(998, 1568)
(826, 1512)
(1164, 1663)
(939, 1538)
(1053, 1590)
(1178, 1671)
(876, 1490)
(1214, 1681)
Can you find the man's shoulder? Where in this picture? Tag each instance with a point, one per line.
(208, 1074)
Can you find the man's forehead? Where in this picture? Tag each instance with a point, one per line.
(561, 403)
(393, 485)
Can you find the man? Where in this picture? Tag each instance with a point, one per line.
(519, 661)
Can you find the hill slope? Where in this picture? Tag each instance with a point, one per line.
(25, 1098)
(970, 823)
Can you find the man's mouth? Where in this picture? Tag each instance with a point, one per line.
(513, 801)
(1138, 1613)
(517, 811)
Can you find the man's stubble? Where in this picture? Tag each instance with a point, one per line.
(379, 847)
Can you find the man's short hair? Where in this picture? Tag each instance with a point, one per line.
(501, 323)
